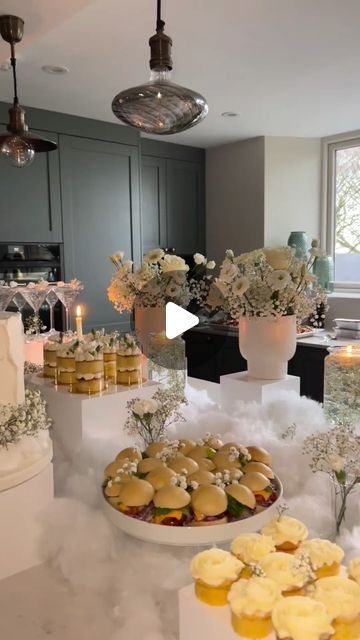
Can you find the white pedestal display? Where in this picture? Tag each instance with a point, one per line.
(11, 358)
(239, 387)
(20, 507)
(78, 415)
(198, 620)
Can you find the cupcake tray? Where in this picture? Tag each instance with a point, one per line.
(190, 536)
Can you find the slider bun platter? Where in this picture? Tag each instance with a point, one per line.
(192, 536)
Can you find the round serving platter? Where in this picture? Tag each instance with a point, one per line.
(191, 536)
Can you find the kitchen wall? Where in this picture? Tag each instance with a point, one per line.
(292, 188)
(234, 197)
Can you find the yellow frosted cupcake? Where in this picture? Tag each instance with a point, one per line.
(354, 570)
(325, 557)
(341, 597)
(292, 574)
(301, 618)
(251, 603)
(286, 532)
(214, 571)
(250, 548)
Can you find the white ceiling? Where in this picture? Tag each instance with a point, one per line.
(288, 67)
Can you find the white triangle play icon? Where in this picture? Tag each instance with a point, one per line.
(178, 320)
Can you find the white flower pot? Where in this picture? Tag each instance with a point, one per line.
(149, 320)
(267, 344)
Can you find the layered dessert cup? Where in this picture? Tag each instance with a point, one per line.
(65, 363)
(128, 361)
(50, 358)
(89, 368)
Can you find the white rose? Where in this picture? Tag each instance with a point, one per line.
(199, 258)
(279, 257)
(228, 271)
(229, 253)
(173, 290)
(279, 279)
(173, 263)
(151, 406)
(153, 256)
(336, 462)
(211, 264)
(240, 286)
(139, 407)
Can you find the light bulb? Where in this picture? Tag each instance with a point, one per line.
(18, 151)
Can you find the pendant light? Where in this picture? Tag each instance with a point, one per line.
(160, 107)
(18, 144)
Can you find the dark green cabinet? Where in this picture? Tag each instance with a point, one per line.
(153, 203)
(185, 206)
(100, 201)
(30, 209)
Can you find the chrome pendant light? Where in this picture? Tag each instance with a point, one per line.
(160, 107)
(18, 144)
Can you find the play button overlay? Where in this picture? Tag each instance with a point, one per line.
(178, 320)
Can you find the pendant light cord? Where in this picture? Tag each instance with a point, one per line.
(160, 24)
(13, 66)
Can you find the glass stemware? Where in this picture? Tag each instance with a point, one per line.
(35, 297)
(6, 295)
(67, 295)
(51, 299)
(19, 301)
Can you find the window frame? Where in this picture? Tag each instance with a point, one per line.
(330, 146)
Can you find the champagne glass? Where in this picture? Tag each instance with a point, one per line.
(51, 299)
(35, 297)
(67, 295)
(6, 295)
(19, 301)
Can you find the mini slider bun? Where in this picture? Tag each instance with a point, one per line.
(229, 445)
(149, 464)
(131, 453)
(202, 451)
(171, 497)
(215, 442)
(183, 465)
(209, 500)
(258, 454)
(223, 461)
(136, 493)
(206, 464)
(242, 494)
(112, 489)
(260, 467)
(255, 481)
(115, 469)
(186, 445)
(160, 477)
(202, 477)
(154, 448)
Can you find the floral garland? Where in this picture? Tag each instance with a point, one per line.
(266, 282)
(160, 278)
(25, 419)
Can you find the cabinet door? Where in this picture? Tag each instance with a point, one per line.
(100, 199)
(30, 209)
(185, 206)
(153, 203)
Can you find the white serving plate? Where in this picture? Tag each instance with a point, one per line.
(30, 469)
(190, 536)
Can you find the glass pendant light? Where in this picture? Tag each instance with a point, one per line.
(160, 106)
(17, 144)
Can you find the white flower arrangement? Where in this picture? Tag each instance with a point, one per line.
(337, 453)
(25, 419)
(149, 419)
(160, 278)
(266, 282)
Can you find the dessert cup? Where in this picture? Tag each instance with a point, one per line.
(89, 376)
(214, 571)
(215, 596)
(251, 626)
(110, 366)
(128, 377)
(65, 369)
(287, 533)
(324, 556)
(49, 363)
(292, 574)
(251, 603)
(301, 619)
(250, 548)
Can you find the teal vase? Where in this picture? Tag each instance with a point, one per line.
(323, 269)
(299, 241)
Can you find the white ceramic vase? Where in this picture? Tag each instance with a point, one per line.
(267, 344)
(147, 321)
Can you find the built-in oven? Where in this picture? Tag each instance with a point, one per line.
(24, 263)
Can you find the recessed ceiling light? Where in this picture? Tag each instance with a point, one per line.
(55, 70)
(229, 114)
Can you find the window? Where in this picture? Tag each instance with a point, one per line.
(343, 211)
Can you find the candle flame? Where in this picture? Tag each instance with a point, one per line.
(78, 311)
(349, 349)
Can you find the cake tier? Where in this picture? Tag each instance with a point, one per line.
(128, 377)
(66, 377)
(49, 371)
(128, 362)
(89, 367)
(23, 460)
(96, 385)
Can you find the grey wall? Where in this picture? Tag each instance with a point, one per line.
(234, 197)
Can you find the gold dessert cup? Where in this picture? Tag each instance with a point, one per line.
(246, 573)
(128, 377)
(90, 387)
(346, 630)
(251, 626)
(49, 372)
(66, 377)
(327, 570)
(215, 596)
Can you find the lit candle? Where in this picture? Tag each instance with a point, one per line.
(78, 319)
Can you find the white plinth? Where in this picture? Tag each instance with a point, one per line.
(77, 416)
(198, 620)
(236, 387)
(20, 507)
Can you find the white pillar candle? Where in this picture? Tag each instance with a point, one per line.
(78, 319)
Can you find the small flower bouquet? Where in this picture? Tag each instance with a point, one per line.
(26, 419)
(160, 278)
(337, 453)
(266, 282)
(149, 419)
